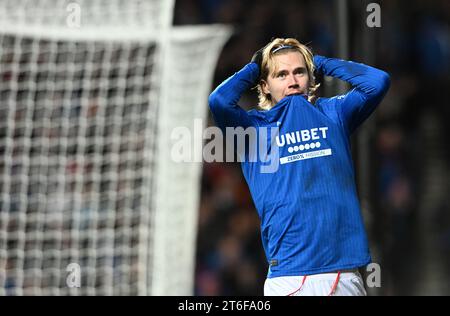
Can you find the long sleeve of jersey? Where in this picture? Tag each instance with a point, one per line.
(223, 101)
(369, 85)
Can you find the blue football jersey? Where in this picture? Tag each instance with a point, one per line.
(307, 202)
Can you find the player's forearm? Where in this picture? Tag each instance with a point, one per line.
(227, 94)
(372, 82)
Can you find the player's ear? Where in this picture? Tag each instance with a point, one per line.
(265, 87)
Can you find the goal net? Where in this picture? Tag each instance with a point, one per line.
(91, 202)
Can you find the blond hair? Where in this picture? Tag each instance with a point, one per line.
(269, 67)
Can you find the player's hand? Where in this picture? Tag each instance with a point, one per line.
(318, 72)
(257, 59)
(318, 61)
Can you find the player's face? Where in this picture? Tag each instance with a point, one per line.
(289, 77)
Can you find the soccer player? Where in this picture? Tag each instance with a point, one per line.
(311, 225)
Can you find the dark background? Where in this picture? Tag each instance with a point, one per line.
(401, 154)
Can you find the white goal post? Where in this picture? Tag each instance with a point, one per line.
(87, 184)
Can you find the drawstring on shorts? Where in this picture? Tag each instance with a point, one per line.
(333, 288)
(303, 282)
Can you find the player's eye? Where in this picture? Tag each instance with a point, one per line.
(300, 71)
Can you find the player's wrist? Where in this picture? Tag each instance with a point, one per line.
(318, 62)
(257, 59)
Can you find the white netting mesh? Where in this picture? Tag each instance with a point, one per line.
(66, 16)
(86, 175)
(73, 129)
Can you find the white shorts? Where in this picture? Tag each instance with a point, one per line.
(347, 284)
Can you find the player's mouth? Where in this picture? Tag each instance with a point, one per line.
(296, 92)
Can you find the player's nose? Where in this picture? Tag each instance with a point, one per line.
(293, 81)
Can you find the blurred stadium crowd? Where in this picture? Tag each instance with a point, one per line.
(411, 227)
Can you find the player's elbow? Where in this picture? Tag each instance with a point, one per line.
(216, 101)
(213, 100)
(385, 80)
(383, 83)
